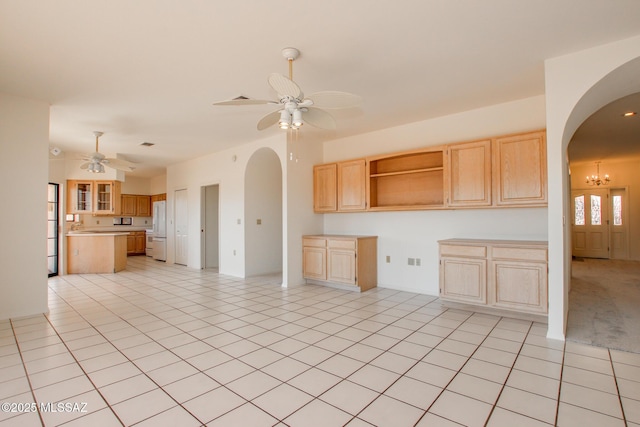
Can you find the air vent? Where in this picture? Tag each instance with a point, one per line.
(147, 144)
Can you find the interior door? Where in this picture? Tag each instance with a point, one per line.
(590, 223)
(182, 225)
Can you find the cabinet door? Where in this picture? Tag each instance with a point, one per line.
(520, 286)
(131, 243)
(463, 280)
(143, 205)
(80, 196)
(352, 185)
(341, 266)
(314, 263)
(325, 188)
(129, 205)
(520, 169)
(141, 242)
(470, 174)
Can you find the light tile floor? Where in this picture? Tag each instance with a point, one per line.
(161, 345)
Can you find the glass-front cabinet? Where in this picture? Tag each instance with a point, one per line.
(94, 197)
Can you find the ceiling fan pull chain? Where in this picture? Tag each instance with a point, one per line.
(290, 68)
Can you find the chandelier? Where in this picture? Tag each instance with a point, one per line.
(596, 180)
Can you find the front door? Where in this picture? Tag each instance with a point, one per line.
(590, 223)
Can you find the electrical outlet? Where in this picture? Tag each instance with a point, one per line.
(234, 252)
(412, 261)
(388, 259)
(239, 221)
(418, 262)
(97, 222)
(259, 221)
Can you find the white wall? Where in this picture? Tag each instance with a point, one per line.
(403, 235)
(304, 151)
(576, 86)
(24, 141)
(158, 184)
(226, 168)
(135, 185)
(263, 203)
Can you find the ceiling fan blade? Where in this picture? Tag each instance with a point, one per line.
(119, 164)
(285, 86)
(119, 167)
(335, 99)
(269, 120)
(245, 101)
(319, 118)
(85, 165)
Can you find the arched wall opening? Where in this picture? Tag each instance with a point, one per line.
(577, 86)
(263, 214)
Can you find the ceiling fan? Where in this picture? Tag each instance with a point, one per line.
(297, 109)
(95, 162)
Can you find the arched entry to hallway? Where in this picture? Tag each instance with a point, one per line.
(578, 85)
(263, 214)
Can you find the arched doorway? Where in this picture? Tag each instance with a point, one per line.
(577, 86)
(263, 214)
(604, 299)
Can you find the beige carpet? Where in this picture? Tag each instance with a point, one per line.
(604, 304)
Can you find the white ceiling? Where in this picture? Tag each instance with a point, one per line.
(149, 70)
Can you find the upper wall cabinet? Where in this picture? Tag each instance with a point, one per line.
(405, 181)
(340, 187)
(520, 169)
(136, 205)
(94, 197)
(470, 174)
(352, 185)
(505, 171)
(325, 181)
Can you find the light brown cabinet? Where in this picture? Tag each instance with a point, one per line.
(352, 195)
(345, 261)
(470, 174)
(136, 243)
(500, 274)
(519, 167)
(340, 187)
(94, 197)
(158, 197)
(505, 171)
(136, 205)
(409, 180)
(325, 188)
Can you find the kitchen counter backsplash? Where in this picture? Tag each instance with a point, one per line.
(90, 222)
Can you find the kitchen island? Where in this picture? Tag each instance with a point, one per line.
(96, 252)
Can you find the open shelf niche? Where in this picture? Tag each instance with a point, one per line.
(411, 180)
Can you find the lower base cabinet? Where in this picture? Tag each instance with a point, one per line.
(501, 274)
(136, 243)
(345, 261)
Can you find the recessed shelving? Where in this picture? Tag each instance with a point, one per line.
(413, 180)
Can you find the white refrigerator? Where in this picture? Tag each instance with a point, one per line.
(160, 230)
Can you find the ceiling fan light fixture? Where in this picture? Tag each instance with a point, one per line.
(285, 119)
(297, 118)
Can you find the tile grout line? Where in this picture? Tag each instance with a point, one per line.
(24, 368)
(124, 355)
(615, 378)
(504, 384)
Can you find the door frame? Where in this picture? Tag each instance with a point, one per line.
(56, 228)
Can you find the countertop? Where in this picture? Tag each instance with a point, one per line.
(97, 233)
